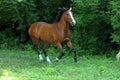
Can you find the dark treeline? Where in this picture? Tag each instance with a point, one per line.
(97, 29)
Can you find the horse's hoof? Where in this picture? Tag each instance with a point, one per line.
(75, 62)
(50, 63)
(56, 59)
(40, 60)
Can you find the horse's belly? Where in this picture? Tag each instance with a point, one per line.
(51, 38)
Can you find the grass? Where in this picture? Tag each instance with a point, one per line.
(24, 65)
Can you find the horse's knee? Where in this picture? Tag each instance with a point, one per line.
(74, 49)
(69, 44)
(35, 46)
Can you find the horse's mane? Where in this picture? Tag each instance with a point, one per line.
(60, 12)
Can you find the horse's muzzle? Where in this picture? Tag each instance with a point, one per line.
(73, 23)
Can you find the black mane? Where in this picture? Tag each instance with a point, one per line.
(60, 12)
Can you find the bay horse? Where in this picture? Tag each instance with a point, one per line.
(56, 33)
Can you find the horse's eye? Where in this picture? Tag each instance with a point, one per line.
(67, 14)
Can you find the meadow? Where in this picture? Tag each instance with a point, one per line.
(24, 65)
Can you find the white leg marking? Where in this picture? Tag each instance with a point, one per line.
(56, 59)
(48, 60)
(40, 57)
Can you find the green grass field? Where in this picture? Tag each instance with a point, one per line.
(24, 65)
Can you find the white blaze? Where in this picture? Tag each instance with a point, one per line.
(71, 16)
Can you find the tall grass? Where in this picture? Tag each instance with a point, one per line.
(24, 65)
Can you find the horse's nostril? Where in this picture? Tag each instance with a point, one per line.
(73, 23)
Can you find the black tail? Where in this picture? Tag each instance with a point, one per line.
(27, 37)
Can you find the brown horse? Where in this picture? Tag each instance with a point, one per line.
(56, 33)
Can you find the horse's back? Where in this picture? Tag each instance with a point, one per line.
(41, 30)
(35, 29)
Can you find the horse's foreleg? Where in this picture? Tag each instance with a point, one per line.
(36, 49)
(69, 44)
(45, 53)
(59, 46)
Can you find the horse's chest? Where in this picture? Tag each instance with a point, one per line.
(63, 35)
(58, 35)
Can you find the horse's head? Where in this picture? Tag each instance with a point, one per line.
(68, 16)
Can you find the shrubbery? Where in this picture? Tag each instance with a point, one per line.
(93, 25)
(115, 20)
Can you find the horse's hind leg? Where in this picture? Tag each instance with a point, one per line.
(45, 53)
(35, 41)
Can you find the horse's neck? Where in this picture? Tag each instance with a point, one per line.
(63, 28)
(63, 25)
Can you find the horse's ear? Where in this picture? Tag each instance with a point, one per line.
(70, 8)
(64, 8)
(59, 8)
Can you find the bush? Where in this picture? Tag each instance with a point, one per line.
(115, 20)
(7, 39)
(93, 25)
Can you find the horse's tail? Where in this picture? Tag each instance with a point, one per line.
(27, 37)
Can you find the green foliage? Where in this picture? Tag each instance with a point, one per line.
(17, 12)
(47, 9)
(26, 13)
(6, 39)
(115, 20)
(14, 16)
(6, 11)
(93, 25)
